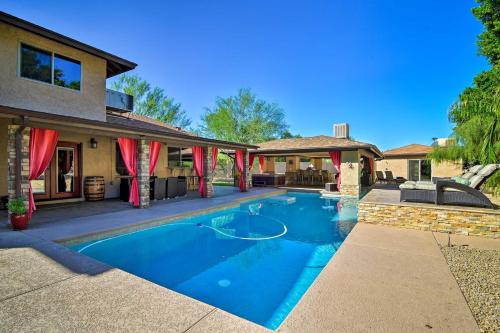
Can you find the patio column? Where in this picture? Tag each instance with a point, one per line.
(143, 172)
(207, 170)
(18, 141)
(246, 171)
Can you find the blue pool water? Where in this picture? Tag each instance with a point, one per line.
(255, 261)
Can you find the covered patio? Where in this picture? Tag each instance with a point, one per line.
(336, 164)
(55, 159)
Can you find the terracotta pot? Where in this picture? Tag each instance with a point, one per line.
(19, 222)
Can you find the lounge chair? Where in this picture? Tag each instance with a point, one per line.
(449, 192)
(390, 177)
(380, 177)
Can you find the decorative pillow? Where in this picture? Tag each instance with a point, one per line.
(462, 180)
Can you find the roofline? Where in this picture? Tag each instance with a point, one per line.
(106, 125)
(370, 147)
(404, 155)
(120, 65)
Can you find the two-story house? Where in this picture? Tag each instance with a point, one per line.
(50, 81)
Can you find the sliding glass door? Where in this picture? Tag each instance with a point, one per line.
(419, 170)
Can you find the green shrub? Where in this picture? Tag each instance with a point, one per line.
(17, 206)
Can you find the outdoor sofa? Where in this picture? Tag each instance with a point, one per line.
(451, 192)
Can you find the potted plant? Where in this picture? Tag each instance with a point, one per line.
(18, 217)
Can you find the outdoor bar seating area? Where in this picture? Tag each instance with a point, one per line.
(310, 177)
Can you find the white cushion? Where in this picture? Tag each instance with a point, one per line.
(487, 170)
(475, 168)
(408, 185)
(468, 175)
(475, 180)
(425, 186)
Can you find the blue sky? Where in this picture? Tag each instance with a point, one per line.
(391, 69)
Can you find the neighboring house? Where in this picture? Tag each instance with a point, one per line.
(51, 81)
(356, 158)
(411, 162)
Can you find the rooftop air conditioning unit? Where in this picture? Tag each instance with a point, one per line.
(341, 130)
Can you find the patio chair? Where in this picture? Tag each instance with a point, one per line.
(449, 192)
(389, 177)
(380, 177)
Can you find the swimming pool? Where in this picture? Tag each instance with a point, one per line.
(255, 261)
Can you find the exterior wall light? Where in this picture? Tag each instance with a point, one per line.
(93, 143)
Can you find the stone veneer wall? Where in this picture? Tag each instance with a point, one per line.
(457, 220)
(207, 170)
(11, 161)
(143, 172)
(352, 190)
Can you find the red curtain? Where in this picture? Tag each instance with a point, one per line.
(198, 167)
(335, 156)
(42, 146)
(215, 153)
(128, 148)
(251, 158)
(261, 163)
(239, 165)
(154, 153)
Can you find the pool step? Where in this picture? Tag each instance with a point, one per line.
(283, 199)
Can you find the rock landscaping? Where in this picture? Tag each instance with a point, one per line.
(477, 272)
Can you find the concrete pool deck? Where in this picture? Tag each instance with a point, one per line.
(381, 279)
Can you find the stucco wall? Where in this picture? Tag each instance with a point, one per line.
(23, 93)
(97, 162)
(161, 165)
(399, 167)
(3, 157)
(350, 172)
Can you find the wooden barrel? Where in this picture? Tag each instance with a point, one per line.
(94, 188)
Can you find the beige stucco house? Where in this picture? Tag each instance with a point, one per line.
(51, 81)
(411, 163)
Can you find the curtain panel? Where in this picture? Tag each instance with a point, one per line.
(154, 153)
(239, 165)
(198, 167)
(215, 153)
(128, 148)
(335, 156)
(251, 159)
(261, 163)
(42, 145)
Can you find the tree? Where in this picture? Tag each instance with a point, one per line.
(288, 135)
(151, 102)
(244, 118)
(476, 112)
(488, 12)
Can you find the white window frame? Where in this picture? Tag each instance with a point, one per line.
(52, 58)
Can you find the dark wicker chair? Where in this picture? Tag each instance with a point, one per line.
(449, 192)
(380, 177)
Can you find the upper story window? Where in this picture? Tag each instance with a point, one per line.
(49, 67)
(36, 64)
